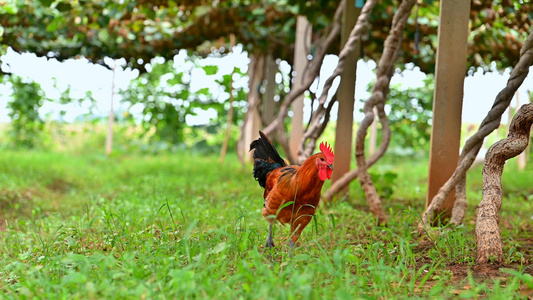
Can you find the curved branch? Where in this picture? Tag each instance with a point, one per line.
(489, 124)
(379, 95)
(342, 182)
(460, 204)
(312, 71)
(306, 148)
(327, 115)
(489, 243)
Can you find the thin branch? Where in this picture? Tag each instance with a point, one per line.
(308, 142)
(343, 181)
(378, 98)
(312, 71)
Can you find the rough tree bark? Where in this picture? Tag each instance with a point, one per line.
(474, 143)
(489, 243)
(308, 142)
(377, 99)
(311, 72)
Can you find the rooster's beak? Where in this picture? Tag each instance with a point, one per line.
(331, 167)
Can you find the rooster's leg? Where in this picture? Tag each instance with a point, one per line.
(269, 243)
(296, 229)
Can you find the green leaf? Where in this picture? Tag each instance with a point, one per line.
(74, 277)
(9, 9)
(258, 11)
(286, 204)
(55, 23)
(63, 7)
(210, 70)
(46, 3)
(203, 91)
(301, 257)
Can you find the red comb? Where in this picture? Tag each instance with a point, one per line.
(326, 149)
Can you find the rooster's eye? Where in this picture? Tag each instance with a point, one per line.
(322, 159)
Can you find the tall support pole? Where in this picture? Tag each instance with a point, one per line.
(231, 108)
(253, 123)
(271, 68)
(301, 50)
(448, 97)
(346, 96)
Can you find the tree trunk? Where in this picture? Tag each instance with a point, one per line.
(489, 124)
(489, 244)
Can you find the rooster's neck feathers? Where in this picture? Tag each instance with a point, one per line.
(307, 175)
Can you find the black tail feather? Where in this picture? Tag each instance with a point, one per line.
(266, 158)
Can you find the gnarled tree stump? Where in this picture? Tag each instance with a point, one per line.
(489, 243)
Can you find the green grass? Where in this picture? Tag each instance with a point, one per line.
(183, 226)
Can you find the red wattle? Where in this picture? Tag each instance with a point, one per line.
(323, 175)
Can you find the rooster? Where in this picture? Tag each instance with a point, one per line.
(299, 185)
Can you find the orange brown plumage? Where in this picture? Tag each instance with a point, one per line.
(284, 183)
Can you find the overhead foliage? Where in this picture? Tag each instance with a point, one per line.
(498, 30)
(141, 30)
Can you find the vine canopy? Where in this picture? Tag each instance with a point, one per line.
(141, 30)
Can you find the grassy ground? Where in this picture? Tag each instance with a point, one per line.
(183, 226)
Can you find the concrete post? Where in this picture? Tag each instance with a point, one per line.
(448, 97)
(344, 132)
(271, 68)
(301, 50)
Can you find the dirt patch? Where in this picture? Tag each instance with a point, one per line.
(424, 245)
(59, 185)
(486, 271)
(15, 203)
(481, 272)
